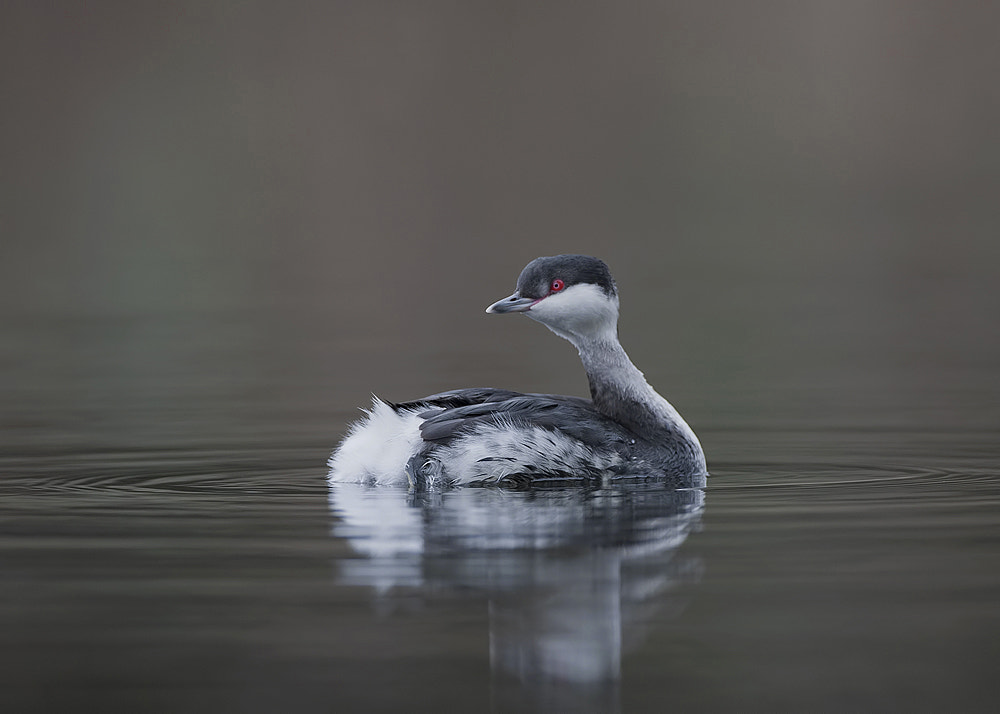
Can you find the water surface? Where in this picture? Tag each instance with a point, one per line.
(169, 543)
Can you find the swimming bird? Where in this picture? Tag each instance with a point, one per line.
(485, 436)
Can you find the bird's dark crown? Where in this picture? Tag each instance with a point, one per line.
(537, 276)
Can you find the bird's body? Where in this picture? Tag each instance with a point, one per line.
(495, 436)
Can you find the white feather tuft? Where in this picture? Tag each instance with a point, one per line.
(377, 447)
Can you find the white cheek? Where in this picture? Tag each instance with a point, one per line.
(579, 309)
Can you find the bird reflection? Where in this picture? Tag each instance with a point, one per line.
(573, 578)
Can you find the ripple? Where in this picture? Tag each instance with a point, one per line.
(221, 472)
(838, 475)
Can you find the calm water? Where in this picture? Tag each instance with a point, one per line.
(169, 542)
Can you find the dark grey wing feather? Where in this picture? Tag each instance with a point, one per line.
(572, 416)
(458, 398)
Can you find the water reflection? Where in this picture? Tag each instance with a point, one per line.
(572, 578)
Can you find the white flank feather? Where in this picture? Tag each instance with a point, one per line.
(492, 451)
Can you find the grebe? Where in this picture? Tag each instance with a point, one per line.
(486, 436)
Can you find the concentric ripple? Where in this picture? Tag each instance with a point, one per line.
(220, 472)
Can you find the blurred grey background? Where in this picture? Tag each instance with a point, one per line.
(323, 197)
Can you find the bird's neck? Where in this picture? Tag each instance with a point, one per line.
(620, 391)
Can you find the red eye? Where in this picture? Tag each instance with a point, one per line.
(557, 285)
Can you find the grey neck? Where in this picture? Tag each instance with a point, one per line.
(620, 391)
